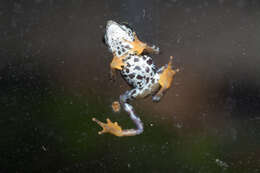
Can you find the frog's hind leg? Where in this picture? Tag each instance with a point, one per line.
(130, 95)
(114, 128)
(165, 80)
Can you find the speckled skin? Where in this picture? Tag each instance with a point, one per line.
(139, 71)
(115, 37)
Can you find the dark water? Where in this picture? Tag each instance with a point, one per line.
(54, 77)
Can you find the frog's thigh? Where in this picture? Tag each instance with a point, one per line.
(128, 95)
(131, 94)
(141, 93)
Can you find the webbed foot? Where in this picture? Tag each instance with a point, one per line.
(109, 127)
(165, 80)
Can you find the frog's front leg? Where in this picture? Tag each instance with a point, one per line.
(114, 128)
(165, 80)
(116, 64)
(139, 47)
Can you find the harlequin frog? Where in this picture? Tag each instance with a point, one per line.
(139, 71)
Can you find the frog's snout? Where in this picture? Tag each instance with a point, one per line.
(111, 22)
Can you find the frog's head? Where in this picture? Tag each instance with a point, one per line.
(117, 31)
(121, 27)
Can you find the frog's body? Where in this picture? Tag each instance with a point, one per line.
(140, 73)
(137, 69)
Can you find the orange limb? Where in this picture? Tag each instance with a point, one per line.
(139, 46)
(117, 62)
(116, 106)
(109, 127)
(166, 77)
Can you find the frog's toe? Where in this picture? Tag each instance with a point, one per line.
(156, 98)
(155, 49)
(97, 121)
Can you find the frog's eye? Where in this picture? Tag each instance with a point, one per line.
(104, 40)
(127, 25)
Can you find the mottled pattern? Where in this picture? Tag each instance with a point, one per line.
(115, 38)
(139, 71)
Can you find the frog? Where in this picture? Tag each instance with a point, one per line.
(131, 57)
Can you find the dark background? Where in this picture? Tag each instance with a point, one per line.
(54, 77)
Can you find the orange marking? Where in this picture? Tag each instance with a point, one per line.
(117, 62)
(116, 106)
(109, 127)
(167, 75)
(138, 46)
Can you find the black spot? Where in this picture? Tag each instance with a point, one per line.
(123, 50)
(127, 64)
(104, 40)
(150, 61)
(132, 76)
(147, 69)
(144, 58)
(127, 70)
(133, 92)
(153, 81)
(118, 47)
(127, 25)
(154, 69)
(119, 52)
(139, 84)
(147, 80)
(127, 47)
(136, 59)
(139, 77)
(137, 68)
